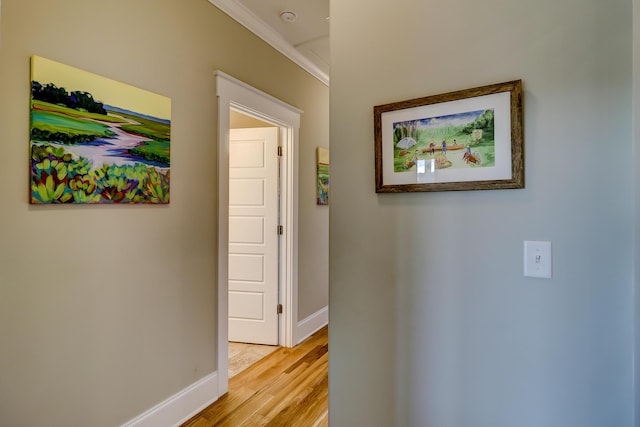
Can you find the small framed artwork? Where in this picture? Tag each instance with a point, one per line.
(470, 139)
(322, 169)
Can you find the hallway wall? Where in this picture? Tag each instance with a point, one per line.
(432, 322)
(636, 180)
(105, 311)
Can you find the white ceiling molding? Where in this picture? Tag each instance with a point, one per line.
(256, 25)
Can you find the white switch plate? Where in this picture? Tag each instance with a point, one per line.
(537, 259)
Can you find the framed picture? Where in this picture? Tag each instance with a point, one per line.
(465, 140)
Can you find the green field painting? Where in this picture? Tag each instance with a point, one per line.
(322, 169)
(96, 140)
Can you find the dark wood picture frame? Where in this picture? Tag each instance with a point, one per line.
(499, 104)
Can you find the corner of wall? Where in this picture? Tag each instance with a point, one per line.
(311, 324)
(181, 406)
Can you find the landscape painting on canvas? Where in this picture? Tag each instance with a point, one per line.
(96, 140)
(322, 169)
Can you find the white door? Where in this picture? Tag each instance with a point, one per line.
(253, 235)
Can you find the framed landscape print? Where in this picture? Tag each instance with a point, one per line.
(465, 140)
(95, 140)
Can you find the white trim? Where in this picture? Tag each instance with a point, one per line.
(289, 242)
(312, 324)
(232, 93)
(246, 93)
(181, 406)
(253, 23)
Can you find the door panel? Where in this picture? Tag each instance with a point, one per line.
(253, 237)
(247, 154)
(246, 230)
(247, 192)
(246, 268)
(246, 305)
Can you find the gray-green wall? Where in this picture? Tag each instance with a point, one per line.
(636, 179)
(432, 322)
(106, 311)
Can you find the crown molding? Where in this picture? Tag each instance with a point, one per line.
(257, 26)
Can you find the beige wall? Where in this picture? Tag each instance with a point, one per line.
(107, 310)
(432, 322)
(242, 121)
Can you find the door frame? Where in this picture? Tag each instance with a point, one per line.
(235, 94)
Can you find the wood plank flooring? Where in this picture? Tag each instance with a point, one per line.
(289, 387)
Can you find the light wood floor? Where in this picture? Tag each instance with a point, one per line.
(287, 388)
(242, 355)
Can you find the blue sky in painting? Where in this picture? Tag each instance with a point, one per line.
(451, 119)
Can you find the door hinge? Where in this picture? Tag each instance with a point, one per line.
(280, 230)
(279, 151)
(279, 309)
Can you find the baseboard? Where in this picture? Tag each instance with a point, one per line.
(311, 324)
(181, 406)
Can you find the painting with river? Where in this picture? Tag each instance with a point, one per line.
(96, 140)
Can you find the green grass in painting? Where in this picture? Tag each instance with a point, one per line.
(156, 151)
(150, 128)
(55, 121)
(55, 125)
(54, 108)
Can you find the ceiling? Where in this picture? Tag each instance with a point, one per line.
(303, 37)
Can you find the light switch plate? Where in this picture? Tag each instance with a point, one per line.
(537, 259)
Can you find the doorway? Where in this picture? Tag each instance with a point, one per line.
(234, 95)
